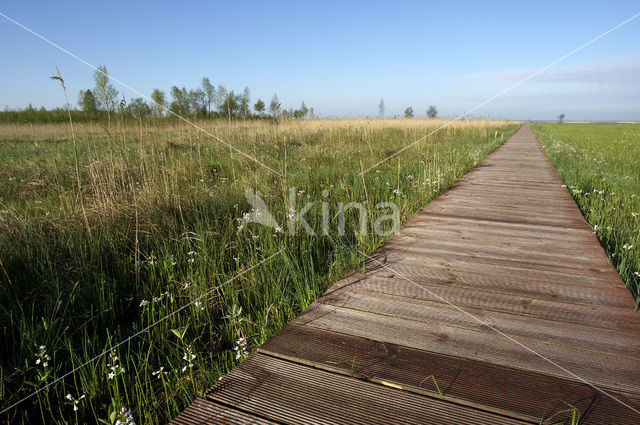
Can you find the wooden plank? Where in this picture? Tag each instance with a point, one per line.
(471, 250)
(559, 304)
(433, 312)
(617, 373)
(425, 219)
(415, 266)
(555, 238)
(289, 392)
(550, 220)
(552, 270)
(203, 411)
(511, 392)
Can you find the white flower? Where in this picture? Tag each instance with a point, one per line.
(188, 357)
(114, 366)
(627, 246)
(191, 260)
(75, 401)
(42, 358)
(159, 372)
(143, 303)
(124, 417)
(241, 349)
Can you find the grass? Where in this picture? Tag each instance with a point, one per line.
(154, 225)
(600, 165)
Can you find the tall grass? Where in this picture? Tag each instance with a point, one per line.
(163, 205)
(600, 164)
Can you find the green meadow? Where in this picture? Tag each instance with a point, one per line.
(129, 283)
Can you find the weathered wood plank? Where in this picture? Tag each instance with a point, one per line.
(289, 392)
(203, 411)
(552, 302)
(433, 312)
(614, 372)
(507, 391)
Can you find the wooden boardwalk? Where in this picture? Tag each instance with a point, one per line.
(508, 247)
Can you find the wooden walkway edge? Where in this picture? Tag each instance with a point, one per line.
(509, 248)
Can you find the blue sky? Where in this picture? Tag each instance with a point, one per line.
(339, 57)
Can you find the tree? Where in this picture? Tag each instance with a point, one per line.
(159, 103)
(198, 102)
(231, 104)
(259, 106)
(274, 106)
(408, 113)
(88, 103)
(560, 118)
(244, 102)
(221, 95)
(105, 93)
(81, 99)
(138, 108)
(302, 112)
(180, 105)
(381, 108)
(432, 112)
(210, 92)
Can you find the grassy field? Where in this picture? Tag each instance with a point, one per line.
(106, 236)
(600, 164)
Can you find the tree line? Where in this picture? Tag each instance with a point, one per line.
(105, 102)
(432, 111)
